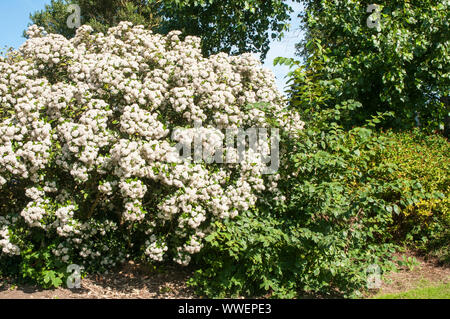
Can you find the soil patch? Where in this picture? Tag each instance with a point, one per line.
(131, 282)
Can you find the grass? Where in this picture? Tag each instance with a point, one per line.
(437, 292)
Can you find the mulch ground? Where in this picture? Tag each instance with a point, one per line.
(131, 282)
(428, 272)
(138, 282)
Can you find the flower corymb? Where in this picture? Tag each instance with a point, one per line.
(87, 155)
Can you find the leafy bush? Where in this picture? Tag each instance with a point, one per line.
(349, 196)
(352, 198)
(88, 171)
(423, 160)
(400, 65)
(328, 227)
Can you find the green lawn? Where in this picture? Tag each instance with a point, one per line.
(438, 292)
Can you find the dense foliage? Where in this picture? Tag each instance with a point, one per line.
(322, 239)
(224, 26)
(351, 198)
(91, 171)
(401, 66)
(90, 174)
(425, 204)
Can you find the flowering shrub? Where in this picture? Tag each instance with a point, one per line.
(89, 170)
(353, 198)
(424, 202)
(324, 239)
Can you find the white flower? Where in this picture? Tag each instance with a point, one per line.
(96, 135)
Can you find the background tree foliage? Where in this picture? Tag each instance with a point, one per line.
(402, 67)
(236, 26)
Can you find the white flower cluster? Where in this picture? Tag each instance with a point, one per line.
(64, 221)
(6, 246)
(155, 248)
(35, 212)
(89, 118)
(87, 240)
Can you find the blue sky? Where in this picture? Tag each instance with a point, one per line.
(14, 18)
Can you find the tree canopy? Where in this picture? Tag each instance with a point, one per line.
(233, 27)
(398, 63)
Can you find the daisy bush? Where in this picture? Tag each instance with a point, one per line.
(90, 131)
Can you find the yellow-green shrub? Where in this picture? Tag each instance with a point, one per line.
(422, 159)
